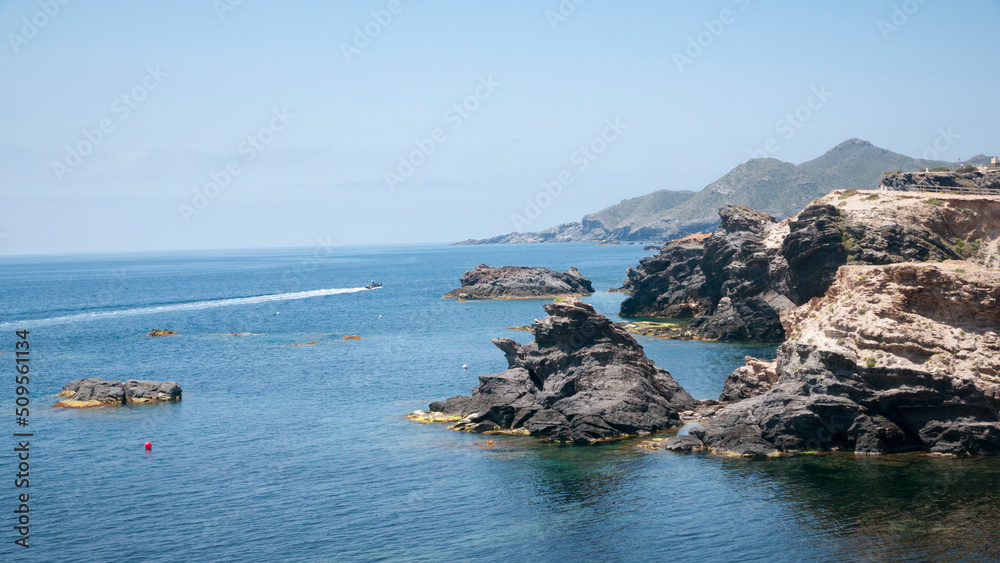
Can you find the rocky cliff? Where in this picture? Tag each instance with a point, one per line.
(735, 284)
(983, 182)
(894, 358)
(583, 379)
(515, 282)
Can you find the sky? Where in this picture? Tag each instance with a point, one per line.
(136, 126)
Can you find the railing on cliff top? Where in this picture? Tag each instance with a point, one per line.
(960, 190)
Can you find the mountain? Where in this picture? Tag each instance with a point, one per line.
(766, 184)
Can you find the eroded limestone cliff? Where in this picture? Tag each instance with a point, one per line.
(734, 284)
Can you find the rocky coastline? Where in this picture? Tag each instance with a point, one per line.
(887, 305)
(894, 358)
(516, 282)
(734, 284)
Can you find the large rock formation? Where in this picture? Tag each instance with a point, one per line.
(893, 358)
(736, 283)
(723, 281)
(95, 392)
(669, 284)
(515, 282)
(583, 379)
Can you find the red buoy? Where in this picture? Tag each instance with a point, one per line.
(149, 446)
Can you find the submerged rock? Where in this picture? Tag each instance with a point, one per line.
(516, 282)
(583, 379)
(683, 444)
(893, 358)
(95, 392)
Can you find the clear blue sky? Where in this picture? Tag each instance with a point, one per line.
(198, 84)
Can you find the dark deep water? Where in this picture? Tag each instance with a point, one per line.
(300, 453)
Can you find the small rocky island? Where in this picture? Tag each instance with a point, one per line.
(161, 332)
(95, 392)
(516, 282)
(582, 380)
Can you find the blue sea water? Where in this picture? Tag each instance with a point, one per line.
(300, 453)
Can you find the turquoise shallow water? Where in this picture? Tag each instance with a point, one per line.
(300, 453)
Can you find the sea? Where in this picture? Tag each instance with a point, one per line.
(290, 443)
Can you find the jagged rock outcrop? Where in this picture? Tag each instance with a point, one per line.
(736, 266)
(749, 380)
(95, 392)
(723, 281)
(669, 283)
(738, 281)
(894, 358)
(583, 379)
(516, 282)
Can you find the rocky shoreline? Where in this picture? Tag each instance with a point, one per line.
(516, 282)
(893, 359)
(886, 303)
(734, 284)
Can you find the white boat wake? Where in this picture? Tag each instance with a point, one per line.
(193, 306)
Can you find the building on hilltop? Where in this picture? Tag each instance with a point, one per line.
(993, 166)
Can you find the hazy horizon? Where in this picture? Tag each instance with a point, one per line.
(382, 122)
